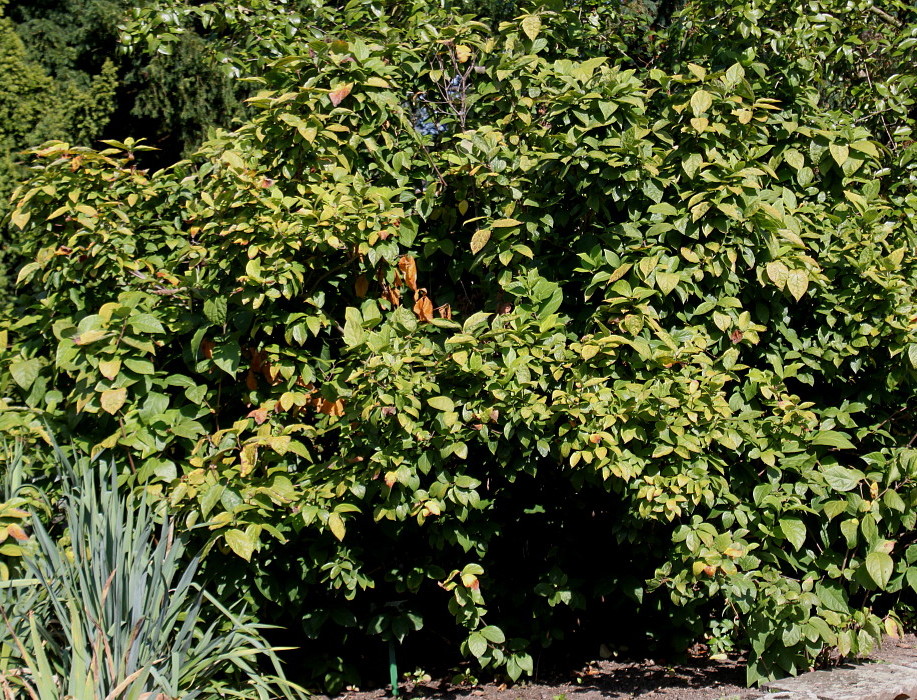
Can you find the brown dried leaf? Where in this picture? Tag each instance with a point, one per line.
(423, 307)
(251, 381)
(408, 268)
(259, 414)
(445, 311)
(361, 286)
(207, 348)
(339, 93)
(391, 295)
(332, 408)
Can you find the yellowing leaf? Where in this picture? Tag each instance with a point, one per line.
(778, 273)
(701, 101)
(233, 159)
(892, 628)
(89, 337)
(336, 525)
(505, 223)
(113, 399)
(479, 239)
(19, 219)
(744, 115)
(240, 542)
(376, 81)
(797, 282)
(110, 368)
(700, 124)
(667, 281)
(462, 53)
(531, 25)
(338, 94)
(839, 152)
(442, 403)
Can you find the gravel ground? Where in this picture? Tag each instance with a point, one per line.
(600, 680)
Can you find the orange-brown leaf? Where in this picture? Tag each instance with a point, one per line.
(445, 311)
(259, 414)
(251, 381)
(391, 295)
(408, 268)
(423, 307)
(16, 532)
(338, 94)
(207, 348)
(332, 408)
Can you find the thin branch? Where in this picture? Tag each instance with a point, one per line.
(884, 15)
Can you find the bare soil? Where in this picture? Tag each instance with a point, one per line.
(700, 679)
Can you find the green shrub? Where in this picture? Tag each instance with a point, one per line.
(488, 313)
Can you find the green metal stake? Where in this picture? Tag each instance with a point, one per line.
(393, 668)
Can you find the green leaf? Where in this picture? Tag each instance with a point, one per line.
(146, 323)
(832, 438)
(794, 159)
(667, 281)
(227, 356)
(240, 542)
(25, 372)
(442, 403)
(215, 310)
(477, 644)
(831, 596)
(843, 479)
(794, 530)
(354, 335)
(867, 147)
(493, 634)
(880, 567)
(911, 576)
(692, 164)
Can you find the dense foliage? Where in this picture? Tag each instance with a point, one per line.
(527, 324)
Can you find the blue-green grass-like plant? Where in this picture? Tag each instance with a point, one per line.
(112, 611)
